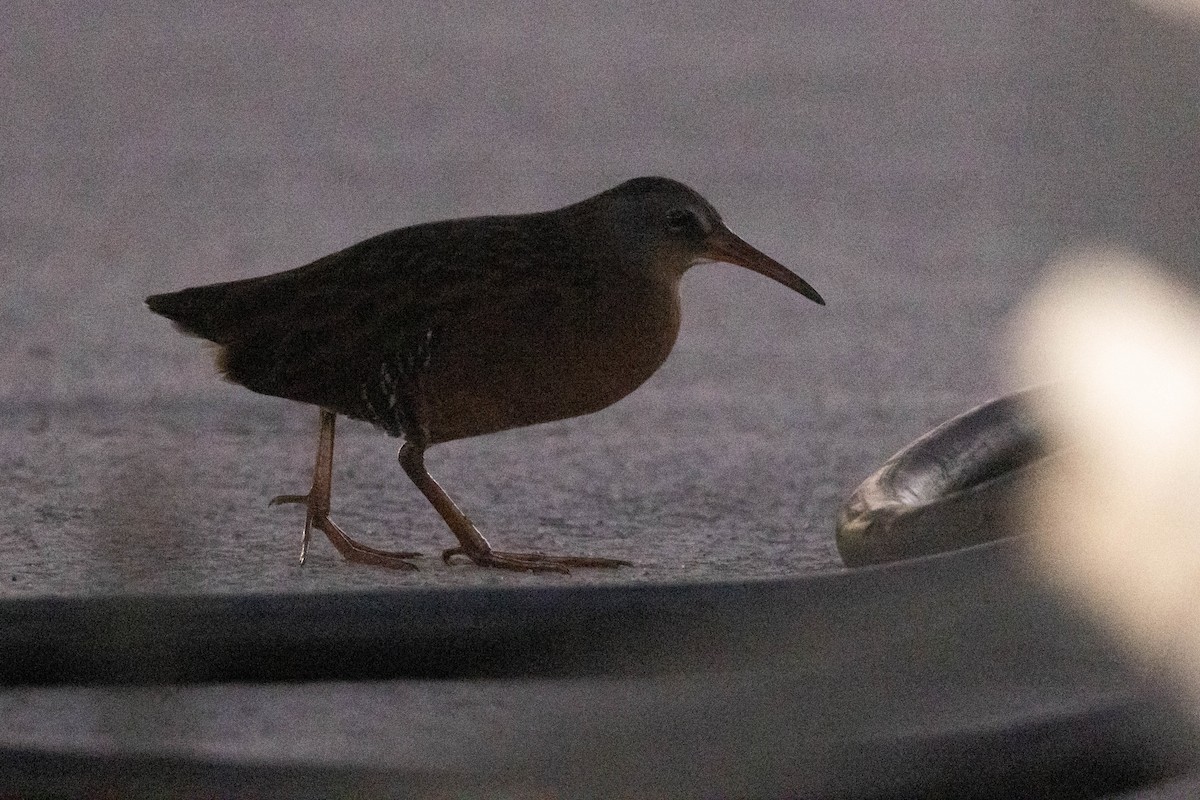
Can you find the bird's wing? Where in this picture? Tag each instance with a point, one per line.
(339, 286)
(407, 276)
(339, 316)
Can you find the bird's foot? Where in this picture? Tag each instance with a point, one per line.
(350, 549)
(532, 562)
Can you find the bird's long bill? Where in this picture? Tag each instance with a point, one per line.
(724, 245)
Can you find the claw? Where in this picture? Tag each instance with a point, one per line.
(304, 540)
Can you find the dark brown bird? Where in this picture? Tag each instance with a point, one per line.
(452, 329)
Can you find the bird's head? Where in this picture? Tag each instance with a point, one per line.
(667, 225)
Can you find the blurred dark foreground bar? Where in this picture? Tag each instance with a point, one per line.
(956, 674)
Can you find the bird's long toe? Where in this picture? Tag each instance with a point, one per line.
(360, 553)
(351, 549)
(533, 562)
(280, 499)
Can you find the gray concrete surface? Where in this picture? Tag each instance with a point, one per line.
(917, 162)
(165, 148)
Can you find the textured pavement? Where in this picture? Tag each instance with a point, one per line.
(918, 163)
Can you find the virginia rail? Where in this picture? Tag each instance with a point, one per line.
(452, 329)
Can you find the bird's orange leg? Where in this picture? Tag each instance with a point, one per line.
(317, 503)
(471, 542)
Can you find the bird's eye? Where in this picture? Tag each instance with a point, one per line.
(679, 219)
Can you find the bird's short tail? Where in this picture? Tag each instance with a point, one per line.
(195, 311)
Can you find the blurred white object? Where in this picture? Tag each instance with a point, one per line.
(1179, 9)
(1119, 522)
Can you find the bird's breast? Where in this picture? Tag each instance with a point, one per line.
(553, 353)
